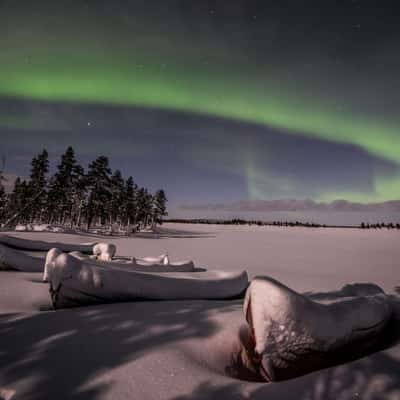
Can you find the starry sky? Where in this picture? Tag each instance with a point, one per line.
(215, 101)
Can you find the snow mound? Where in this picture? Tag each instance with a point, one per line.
(42, 228)
(104, 251)
(293, 335)
(74, 282)
(39, 245)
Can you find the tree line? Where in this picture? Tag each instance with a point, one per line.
(238, 221)
(389, 225)
(77, 198)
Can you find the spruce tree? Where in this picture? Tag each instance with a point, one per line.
(3, 203)
(141, 205)
(79, 192)
(18, 204)
(63, 193)
(144, 208)
(130, 203)
(99, 193)
(15, 198)
(37, 185)
(159, 207)
(3, 197)
(116, 203)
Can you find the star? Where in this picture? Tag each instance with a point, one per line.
(89, 123)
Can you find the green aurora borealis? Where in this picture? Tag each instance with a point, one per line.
(95, 58)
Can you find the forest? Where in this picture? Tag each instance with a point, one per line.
(75, 198)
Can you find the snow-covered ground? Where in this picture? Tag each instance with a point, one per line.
(175, 350)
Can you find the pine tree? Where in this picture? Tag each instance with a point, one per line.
(116, 203)
(143, 207)
(3, 197)
(130, 203)
(18, 203)
(79, 190)
(14, 199)
(3, 202)
(63, 193)
(37, 185)
(159, 207)
(149, 201)
(2, 178)
(99, 194)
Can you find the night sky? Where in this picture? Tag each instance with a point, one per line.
(215, 101)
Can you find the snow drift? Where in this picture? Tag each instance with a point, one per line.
(38, 245)
(74, 282)
(291, 335)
